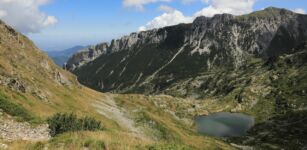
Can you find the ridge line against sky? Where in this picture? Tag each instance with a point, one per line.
(60, 24)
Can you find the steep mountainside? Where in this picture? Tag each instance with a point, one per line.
(174, 59)
(30, 79)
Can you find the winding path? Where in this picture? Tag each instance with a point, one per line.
(108, 108)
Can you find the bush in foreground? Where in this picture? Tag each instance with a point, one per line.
(60, 123)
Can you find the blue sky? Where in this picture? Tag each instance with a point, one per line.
(66, 23)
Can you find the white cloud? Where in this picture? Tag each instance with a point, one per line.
(299, 10)
(25, 16)
(235, 7)
(50, 20)
(169, 17)
(139, 4)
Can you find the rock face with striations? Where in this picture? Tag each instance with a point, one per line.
(176, 60)
(124, 43)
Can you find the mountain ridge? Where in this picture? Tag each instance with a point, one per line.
(129, 40)
(224, 40)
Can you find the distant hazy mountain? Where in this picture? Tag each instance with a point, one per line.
(60, 57)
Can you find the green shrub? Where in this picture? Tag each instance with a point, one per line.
(60, 123)
(100, 145)
(14, 109)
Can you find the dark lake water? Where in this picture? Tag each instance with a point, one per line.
(224, 124)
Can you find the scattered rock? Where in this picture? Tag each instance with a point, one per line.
(40, 95)
(61, 79)
(17, 85)
(11, 130)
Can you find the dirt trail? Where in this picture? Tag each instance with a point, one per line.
(109, 109)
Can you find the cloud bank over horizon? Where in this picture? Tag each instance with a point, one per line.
(25, 16)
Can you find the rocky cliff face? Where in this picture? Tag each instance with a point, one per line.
(86, 55)
(170, 59)
(133, 41)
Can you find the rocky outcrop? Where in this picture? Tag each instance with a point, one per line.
(86, 55)
(240, 37)
(17, 85)
(168, 59)
(62, 79)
